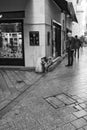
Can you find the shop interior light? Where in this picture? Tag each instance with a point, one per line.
(0, 15)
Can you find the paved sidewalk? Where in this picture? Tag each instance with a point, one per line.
(13, 83)
(56, 101)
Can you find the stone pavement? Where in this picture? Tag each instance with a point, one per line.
(55, 101)
(13, 83)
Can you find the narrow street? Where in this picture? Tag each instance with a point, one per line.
(54, 101)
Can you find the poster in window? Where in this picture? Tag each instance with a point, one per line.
(34, 38)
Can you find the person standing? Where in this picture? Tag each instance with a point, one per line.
(77, 45)
(70, 46)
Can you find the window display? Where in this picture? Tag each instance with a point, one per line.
(11, 40)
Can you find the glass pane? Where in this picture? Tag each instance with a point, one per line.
(11, 40)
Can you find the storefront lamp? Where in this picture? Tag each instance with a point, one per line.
(0, 15)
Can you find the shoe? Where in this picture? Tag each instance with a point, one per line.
(67, 65)
(71, 65)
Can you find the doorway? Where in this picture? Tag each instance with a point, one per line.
(56, 45)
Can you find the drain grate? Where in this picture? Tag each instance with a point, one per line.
(60, 100)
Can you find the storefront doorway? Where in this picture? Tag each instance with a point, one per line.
(56, 46)
(11, 42)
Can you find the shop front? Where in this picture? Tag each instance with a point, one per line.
(11, 40)
(28, 32)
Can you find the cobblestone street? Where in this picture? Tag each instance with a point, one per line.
(56, 100)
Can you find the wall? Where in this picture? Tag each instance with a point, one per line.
(63, 31)
(79, 28)
(34, 21)
(52, 12)
(38, 17)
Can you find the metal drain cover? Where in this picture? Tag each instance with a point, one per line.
(60, 100)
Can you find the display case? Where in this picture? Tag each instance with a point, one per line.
(11, 44)
(11, 41)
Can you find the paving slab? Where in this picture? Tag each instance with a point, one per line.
(79, 123)
(66, 99)
(80, 113)
(55, 102)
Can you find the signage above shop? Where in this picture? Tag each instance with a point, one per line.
(12, 14)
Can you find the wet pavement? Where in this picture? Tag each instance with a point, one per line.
(54, 101)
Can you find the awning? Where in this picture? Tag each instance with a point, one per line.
(68, 8)
(72, 12)
(62, 4)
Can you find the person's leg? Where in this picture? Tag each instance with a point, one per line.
(68, 53)
(71, 63)
(69, 57)
(78, 52)
(75, 52)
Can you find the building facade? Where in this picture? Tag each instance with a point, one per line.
(80, 7)
(30, 29)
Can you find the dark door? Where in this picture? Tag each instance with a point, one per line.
(58, 40)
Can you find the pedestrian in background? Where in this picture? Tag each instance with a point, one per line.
(70, 47)
(77, 45)
(82, 41)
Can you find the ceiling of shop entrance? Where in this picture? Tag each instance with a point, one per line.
(12, 5)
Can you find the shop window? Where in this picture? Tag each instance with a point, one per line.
(11, 39)
(34, 38)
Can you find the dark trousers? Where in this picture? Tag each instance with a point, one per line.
(70, 57)
(77, 50)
